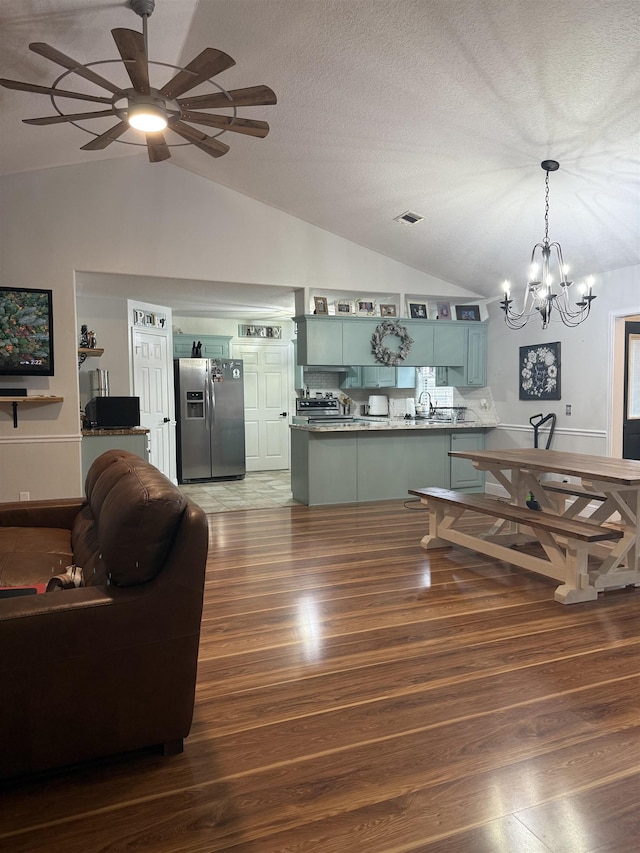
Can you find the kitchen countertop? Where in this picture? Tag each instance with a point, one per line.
(127, 431)
(379, 424)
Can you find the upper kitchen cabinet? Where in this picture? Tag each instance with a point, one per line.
(320, 341)
(356, 341)
(213, 346)
(379, 377)
(357, 346)
(459, 347)
(473, 372)
(449, 342)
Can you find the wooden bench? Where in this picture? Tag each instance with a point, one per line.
(561, 491)
(565, 541)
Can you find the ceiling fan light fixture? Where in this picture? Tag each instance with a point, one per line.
(147, 117)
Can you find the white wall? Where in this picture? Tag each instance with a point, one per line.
(587, 370)
(130, 217)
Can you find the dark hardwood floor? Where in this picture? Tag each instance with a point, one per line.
(358, 695)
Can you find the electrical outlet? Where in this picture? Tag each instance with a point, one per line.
(25, 496)
(567, 409)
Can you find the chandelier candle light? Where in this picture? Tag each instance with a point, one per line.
(543, 293)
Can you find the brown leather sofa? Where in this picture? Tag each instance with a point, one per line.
(111, 666)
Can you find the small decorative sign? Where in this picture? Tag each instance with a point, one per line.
(260, 331)
(540, 372)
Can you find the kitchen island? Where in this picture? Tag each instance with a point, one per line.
(372, 460)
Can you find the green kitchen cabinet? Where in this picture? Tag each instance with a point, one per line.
(464, 476)
(356, 341)
(323, 467)
(320, 341)
(298, 370)
(473, 372)
(449, 342)
(379, 377)
(476, 365)
(213, 346)
(357, 335)
(421, 352)
(391, 462)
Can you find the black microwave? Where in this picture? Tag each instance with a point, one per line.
(113, 412)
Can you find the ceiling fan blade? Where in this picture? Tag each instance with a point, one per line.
(157, 148)
(70, 117)
(200, 140)
(253, 96)
(238, 125)
(73, 65)
(206, 64)
(47, 90)
(106, 138)
(131, 47)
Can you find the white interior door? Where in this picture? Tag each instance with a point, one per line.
(153, 383)
(266, 372)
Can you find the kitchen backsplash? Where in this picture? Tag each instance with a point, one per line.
(480, 407)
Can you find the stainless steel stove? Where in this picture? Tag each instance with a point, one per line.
(319, 410)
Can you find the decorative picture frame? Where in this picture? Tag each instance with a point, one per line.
(321, 305)
(366, 307)
(418, 310)
(444, 310)
(344, 306)
(388, 310)
(468, 312)
(539, 372)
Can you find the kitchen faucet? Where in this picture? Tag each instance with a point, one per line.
(422, 393)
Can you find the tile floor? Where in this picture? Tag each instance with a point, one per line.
(258, 490)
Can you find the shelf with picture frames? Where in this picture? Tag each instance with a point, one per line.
(344, 303)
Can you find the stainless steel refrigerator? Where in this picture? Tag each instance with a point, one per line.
(210, 419)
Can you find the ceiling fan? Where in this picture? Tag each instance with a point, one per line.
(144, 108)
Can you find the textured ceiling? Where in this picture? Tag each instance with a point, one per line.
(441, 107)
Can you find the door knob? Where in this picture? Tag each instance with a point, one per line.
(283, 414)
(166, 420)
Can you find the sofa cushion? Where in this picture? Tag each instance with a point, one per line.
(125, 532)
(31, 555)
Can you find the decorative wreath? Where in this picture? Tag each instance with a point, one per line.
(382, 353)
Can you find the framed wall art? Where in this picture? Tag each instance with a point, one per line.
(344, 306)
(444, 310)
(468, 312)
(388, 310)
(418, 310)
(539, 372)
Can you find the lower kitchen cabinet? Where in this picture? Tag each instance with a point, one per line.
(390, 463)
(464, 476)
(323, 467)
(359, 465)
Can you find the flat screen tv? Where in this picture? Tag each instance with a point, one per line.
(26, 332)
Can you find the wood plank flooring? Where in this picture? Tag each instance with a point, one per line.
(359, 695)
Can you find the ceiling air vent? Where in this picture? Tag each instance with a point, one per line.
(408, 218)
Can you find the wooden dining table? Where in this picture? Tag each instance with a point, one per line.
(599, 489)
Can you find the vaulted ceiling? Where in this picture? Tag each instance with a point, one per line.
(441, 107)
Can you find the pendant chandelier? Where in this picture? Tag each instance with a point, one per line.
(547, 295)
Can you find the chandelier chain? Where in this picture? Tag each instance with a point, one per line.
(546, 210)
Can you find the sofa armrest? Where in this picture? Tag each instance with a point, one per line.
(59, 513)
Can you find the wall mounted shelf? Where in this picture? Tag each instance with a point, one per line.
(15, 400)
(88, 352)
